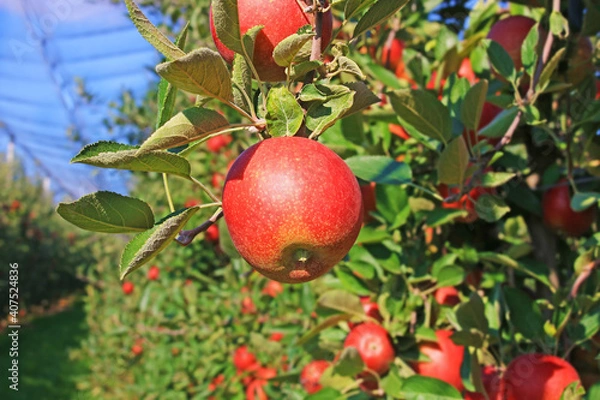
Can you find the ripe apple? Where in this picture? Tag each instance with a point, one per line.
(492, 383)
(127, 287)
(466, 202)
(558, 214)
(276, 337)
(391, 55)
(248, 306)
(537, 377)
(215, 144)
(212, 233)
(191, 202)
(137, 349)
(488, 113)
(510, 33)
(447, 296)
(465, 70)
(445, 359)
(280, 18)
(369, 201)
(399, 131)
(272, 288)
(153, 273)
(217, 380)
(373, 345)
(293, 208)
(371, 310)
(243, 359)
(265, 373)
(311, 375)
(217, 180)
(255, 390)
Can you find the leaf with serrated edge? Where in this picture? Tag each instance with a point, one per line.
(379, 12)
(151, 33)
(499, 125)
(426, 388)
(227, 25)
(121, 156)
(108, 212)
(327, 323)
(453, 162)
(424, 112)
(342, 301)
(472, 105)
(185, 127)
(490, 208)
(285, 52)
(549, 69)
(363, 97)
(495, 179)
(321, 116)
(146, 245)
(284, 114)
(380, 169)
(349, 66)
(202, 72)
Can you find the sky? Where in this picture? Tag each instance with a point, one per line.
(46, 46)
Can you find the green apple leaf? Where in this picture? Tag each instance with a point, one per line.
(490, 208)
(442, 216)
(152, 34)
(472, 105)
(583, 200)
(378, 13)
(549, 69)
(147, 245)
(227, 25)
(499, 125)
(242, 72)
(525, 314)
(121, 156)
(426, 388)
(284, 114)
(187, 126)
(108, 212)
(500, 60)
(348, 66)
(321, 115)
(341, 300)
(495, 179)
(471, 315)
(424, 112)
(363, 97)
(325, 324)
(450, 275)
(350, 363)
(529, 54)
(202, 72)
(380, 169)
(453, 162)
(286, 51)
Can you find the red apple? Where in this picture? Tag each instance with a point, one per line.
(127, 287)
(510, 33)
(255, 390)
(217, 380)
(391, 54)
(217, 180)
(212, 233)
(276, 337)
(293, 208)
(243, 359)
(445, 359)
(492, 383)
(248, 306)
(558, 214)
(399, 131)
(537, 377)
(466, 202)
(371, 310)
(191, 203)
(137, 349)
(215, 144)
(153, 273)
(280, 19)
(447, 296)
(373, 345)
(311, 375)
(265, 373)
(272, 288)
(465, 70)
(369, 201)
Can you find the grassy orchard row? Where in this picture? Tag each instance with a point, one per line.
(297, 249)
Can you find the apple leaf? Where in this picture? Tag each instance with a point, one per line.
(583, 200)
(146, 245)
(302, 68)
(471, 315)
(499, 125)
(549, 69)
(351, 282)
(286, 51)
(472, 105)
(587, 326)
(426, 388)
(327, 393)
(202, 72)
(323, 114)
(108, 212)
(326, 323)
(449, 275)
(152, 34)
(363, 97)
(424, 112)
(380, 169)
(495, 179)
(350, 363)
(227, 25)
(342, 301)
(500, 60)
(574, 392)
(348, 66)
(441, 216)
(529, 54)
(121, 156)
(559, 25)
(284, 114)
(453, 162)
(242, 72)
(378, 13)
(525, 314)
(352, 7)
(332, 380)
(187, 126)
(490, 208)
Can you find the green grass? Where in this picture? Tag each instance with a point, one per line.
(45, 370)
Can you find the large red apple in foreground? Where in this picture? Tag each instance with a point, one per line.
(280, 18)
(559, 215)
(445, 359)
(293, 208)
(537, 377)
(510, 33)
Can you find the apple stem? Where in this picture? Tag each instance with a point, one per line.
(317, 8)
(185, 237)
(301, 256)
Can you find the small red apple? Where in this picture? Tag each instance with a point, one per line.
(137, 349)
(280, 19)
(510, 33)
(447, 296)
(371, 310)
(272, 288)
(311, 375)
(243, 359)
(391, 54)
(293, 208)
(276, 337)
(217, 180)
(445, 359)
(558, 214)
(466, 202)
(369, 201)
(399, 131)
(248, 306)
(215, 144)
(153, 273)
(15, 205)
(465, 70)
(255, 391)
(373, 345)
(265, 373)
(492, 383)
(191, 203)
(537, 377)
(127, 287)
(217, 380)
(212, 233)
